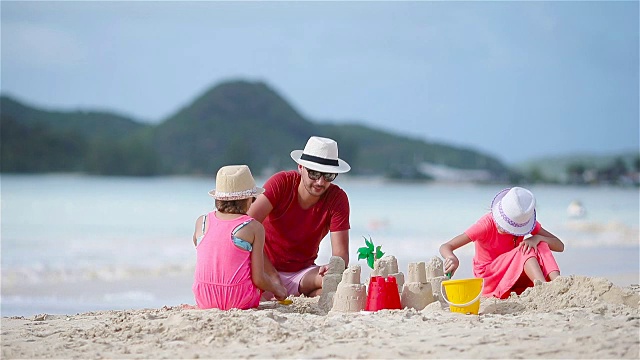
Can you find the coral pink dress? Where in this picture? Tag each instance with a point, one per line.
(499, 260)
(222, 278)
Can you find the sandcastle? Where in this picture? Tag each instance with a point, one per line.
(330, 282)
(351, 295)
(417, 292)
(435, 276)
(344, 292)
(388, 266)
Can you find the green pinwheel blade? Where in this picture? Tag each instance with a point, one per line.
(363, 250)
(370, 261)
(369, 244)
(379, 252)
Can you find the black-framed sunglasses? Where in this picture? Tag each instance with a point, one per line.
(315, 175)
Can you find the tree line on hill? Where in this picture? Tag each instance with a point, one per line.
(231, 123)
(616, 172)
(623, 170)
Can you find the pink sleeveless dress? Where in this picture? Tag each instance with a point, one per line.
(500, 262)
(223, 271)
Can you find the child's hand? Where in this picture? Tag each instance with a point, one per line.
(323, 270)
(530, 243)
(451, 265)
(279, 292)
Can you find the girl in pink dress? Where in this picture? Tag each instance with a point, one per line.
(504, 258)
(229, 244)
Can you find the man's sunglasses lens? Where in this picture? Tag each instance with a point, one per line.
(315, 175)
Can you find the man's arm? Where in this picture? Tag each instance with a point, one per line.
(260, 208)
(340, 245)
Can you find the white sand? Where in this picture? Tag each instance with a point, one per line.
(571, 317)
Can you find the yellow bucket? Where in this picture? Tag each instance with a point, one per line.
(463, 295)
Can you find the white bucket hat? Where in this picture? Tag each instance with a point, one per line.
(235, 182)
(320, 154)
(514, 210)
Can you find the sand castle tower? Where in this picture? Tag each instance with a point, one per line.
(435, 276)
(330, 282)
(417, 292)
(351, 295)
(388, 266)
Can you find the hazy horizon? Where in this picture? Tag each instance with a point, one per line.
(514, 80)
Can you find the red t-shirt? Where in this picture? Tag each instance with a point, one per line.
(293, 234)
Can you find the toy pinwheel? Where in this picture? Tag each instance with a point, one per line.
(370, 252)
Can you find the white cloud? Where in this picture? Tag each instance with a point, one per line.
(39, 46)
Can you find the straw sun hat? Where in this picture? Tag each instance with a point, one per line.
(514, 210)
(235, 182)
(320, 154)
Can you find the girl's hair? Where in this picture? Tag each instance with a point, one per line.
(232, 206)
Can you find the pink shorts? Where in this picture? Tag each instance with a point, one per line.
(290, 281)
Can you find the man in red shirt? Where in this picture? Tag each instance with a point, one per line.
(298, 209)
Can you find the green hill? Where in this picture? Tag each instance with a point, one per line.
(89, 124)
(34, 140)
(233, 122)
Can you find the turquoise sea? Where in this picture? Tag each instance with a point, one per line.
(73, 243)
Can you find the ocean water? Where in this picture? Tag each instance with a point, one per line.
(73, 243)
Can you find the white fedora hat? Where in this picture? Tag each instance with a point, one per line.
(235, 182)
(514, 210)
(320, 154)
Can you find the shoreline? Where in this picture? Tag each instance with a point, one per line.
(573, 316)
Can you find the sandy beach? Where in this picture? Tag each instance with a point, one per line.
(571, 317)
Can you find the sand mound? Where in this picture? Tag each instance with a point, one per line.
(578, 292)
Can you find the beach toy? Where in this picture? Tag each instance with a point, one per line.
(463, 295)
(448, 274)
(388, 266)
(285, 302)
(383, 294)
(370, 252)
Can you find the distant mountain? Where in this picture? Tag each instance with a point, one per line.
(233, 122)
(34, 140)
(90, 124)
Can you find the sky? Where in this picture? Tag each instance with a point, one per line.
(515, 80)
